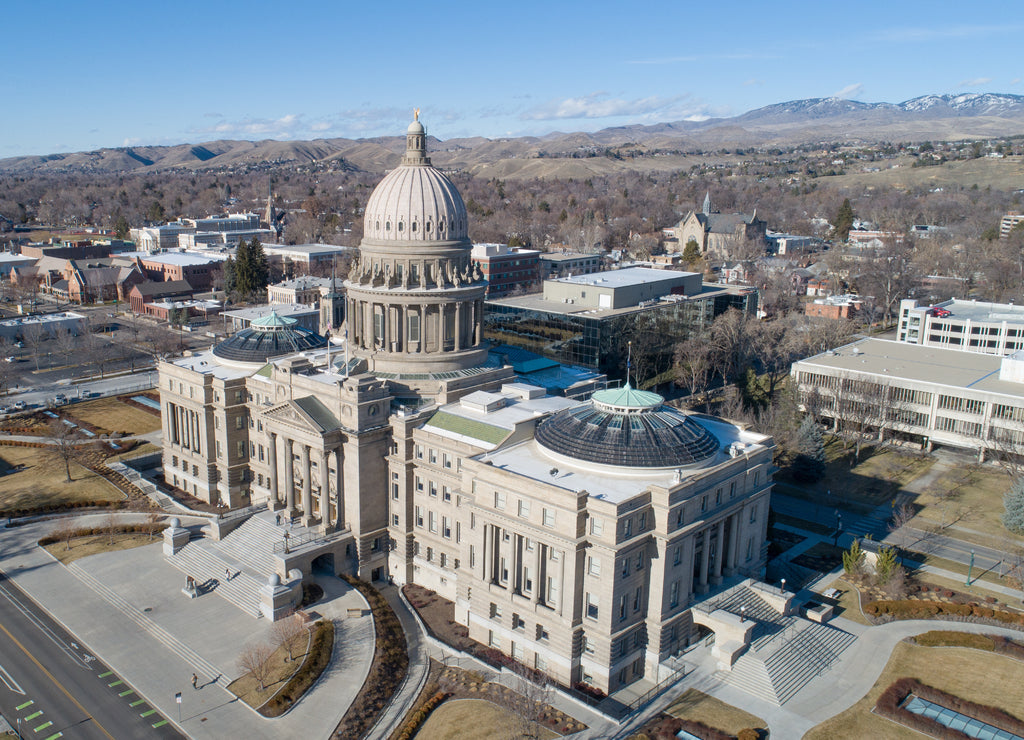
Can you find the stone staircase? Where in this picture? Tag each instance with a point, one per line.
(786, 652)
(247, 553)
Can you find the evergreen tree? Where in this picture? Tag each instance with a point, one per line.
(1013, 503)
(886, 565)
(843, 221)
(230, 277)
(258, 267)
(809, 463)
(853, 559)
(243, 286)
(691, 253)
(121, 227)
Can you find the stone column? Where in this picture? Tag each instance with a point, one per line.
(275, 494)
(702, 581)
(458, 326)
(478, 322)
(734, 537)
(339, 486)
(289, 478)
(716, 573)
(325, 490)
(307, 486)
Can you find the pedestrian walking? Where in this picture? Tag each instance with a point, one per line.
(279, 520)
(195, 680)
(227, 574)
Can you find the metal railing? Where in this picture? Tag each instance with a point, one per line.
(238, 513)
(291, 543)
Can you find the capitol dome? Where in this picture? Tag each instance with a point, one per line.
(415, 201)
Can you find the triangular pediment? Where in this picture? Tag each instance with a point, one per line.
(306, 413)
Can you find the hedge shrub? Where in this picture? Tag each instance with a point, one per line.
(153, 529)
(911, 609)
(420, 715)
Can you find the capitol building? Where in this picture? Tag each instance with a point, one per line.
(572, 532)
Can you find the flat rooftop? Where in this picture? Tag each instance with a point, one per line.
(536, 302)
(625, 278)
(281, 309)
(944, 367)
(531, 460)
(306, 248)
(181, 259)
(981, 311)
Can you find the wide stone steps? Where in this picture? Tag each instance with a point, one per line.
(199, 664)
(253, 544)
(207, 566)
(750, 675)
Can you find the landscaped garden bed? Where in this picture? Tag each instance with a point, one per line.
(892, 704)
(387, 671)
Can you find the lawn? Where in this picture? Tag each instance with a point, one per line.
(698, 706)
(38, 480)
(83, 547)
(971, 495)
(469, 719)
(971, 674)
(872, 480)
(114, 415)
(281, 669)
(848, 604)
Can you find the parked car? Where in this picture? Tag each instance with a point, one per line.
(12, 358)
(60, 399)
(20, 405)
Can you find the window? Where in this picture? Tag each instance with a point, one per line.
(419, 483)
(444, 560)
(414, 327)
(446, 493)
(472, 556)
(592, 605)
(493, 640)
(430, 554)
(394, 519)
(446, 461)
(219, 454)
(638, 598)
(596, 526)
(524, 508)
(750, 549)
(446, 528)
(703, 503)
(732, 489)
(718, 497)
(432, 488)
(499, 500)
(432, 521)
(680, 516)
(517, 651)
(542, 634)
(594, 566)
(419, 517)
(456, 564)
(517, 623)
(394, 486)
(640, 560)
(588, 645)
(549, 517)
(673, 594)
(642, 524)
(433, 455)
(627, 527)
(495, 611)
(527, 580)
(622, 607)
(419, 452)
(753, 514)
(625, 566)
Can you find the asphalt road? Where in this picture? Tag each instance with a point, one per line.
(52, 687)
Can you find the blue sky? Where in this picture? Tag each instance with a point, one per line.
(78, 76)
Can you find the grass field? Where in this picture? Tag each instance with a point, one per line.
(248, 689)
(1000, 174)
(470, 719)
(971, 495)
(697, 705)
(83, 547)
(970, 674)
(114, 415)
(38, 480)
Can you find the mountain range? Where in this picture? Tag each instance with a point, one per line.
(930, 117)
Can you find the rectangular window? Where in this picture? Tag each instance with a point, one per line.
(542, 634)
(444, 560)
(638, 598)
(218, 449)
(446, 461)
(627, 527)
(703, 503)
(394, 486)
(594, 567)
(472, 556)
(596, 526)
(642, 524)
(414, 327)
(677, 556)
(419, 483)
(625, 566)
(493, 640)
(419, 517)
(549, 517)
(394, 519)
(622, 607)
(499, 500)
(640, 560)
(432, 521)
(588, 645)
(433, 455)
(673, 598)
(592, 605)
(524, 508)
(753, 514)
(430, 554)
(446, 528)
(446, 493)
(419, 452)
(432, 488)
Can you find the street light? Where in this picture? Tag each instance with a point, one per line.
(970, 569)
(839, 528)
(783, 584)
(743, 613)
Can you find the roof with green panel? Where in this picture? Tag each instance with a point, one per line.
(471, 428)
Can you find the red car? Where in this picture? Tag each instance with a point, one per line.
(941, 313)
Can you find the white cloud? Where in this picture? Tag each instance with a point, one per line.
(284, 126)
(1015, 81)
(949, 32)
(752, 81)
(737, 56)
(850, 91)
(975, 81)
(599, 105)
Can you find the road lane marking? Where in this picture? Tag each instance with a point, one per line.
(61, 645)
(56, 683)
(146, 714)
(26, 704)
(43, 727)
(161, 723)
(33, 715)
(8, 679)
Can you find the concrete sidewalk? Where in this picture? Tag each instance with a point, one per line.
(127, 607)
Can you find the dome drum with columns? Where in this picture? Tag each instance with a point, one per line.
(415, 300)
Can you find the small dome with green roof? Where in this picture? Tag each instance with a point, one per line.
(268, 336)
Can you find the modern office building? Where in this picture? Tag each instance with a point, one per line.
(974, 326)
(578, 320)
(927, 394)
(573, 534)
(507, 269)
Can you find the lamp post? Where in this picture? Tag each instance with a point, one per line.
(839, 529)
(743, 614)
(783, 584)
(970, 569)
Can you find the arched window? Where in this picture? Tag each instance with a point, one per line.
(413, 227)
(377, 227)
(428, 226)
(401, 226)
(387, 226)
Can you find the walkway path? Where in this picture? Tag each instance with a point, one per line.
(155, 638)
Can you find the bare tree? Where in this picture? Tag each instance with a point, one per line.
(64, 530)
(284, 632)
(530, 700)
(153, 524)
(899, 526)
(255, 661)
(110, 526)
(695, 367)
(67, 342)
(65, 446)
(34, 335)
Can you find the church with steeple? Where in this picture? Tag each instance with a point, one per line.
(572, 532)
(717, 235)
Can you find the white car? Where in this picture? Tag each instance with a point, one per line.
(20, 406)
